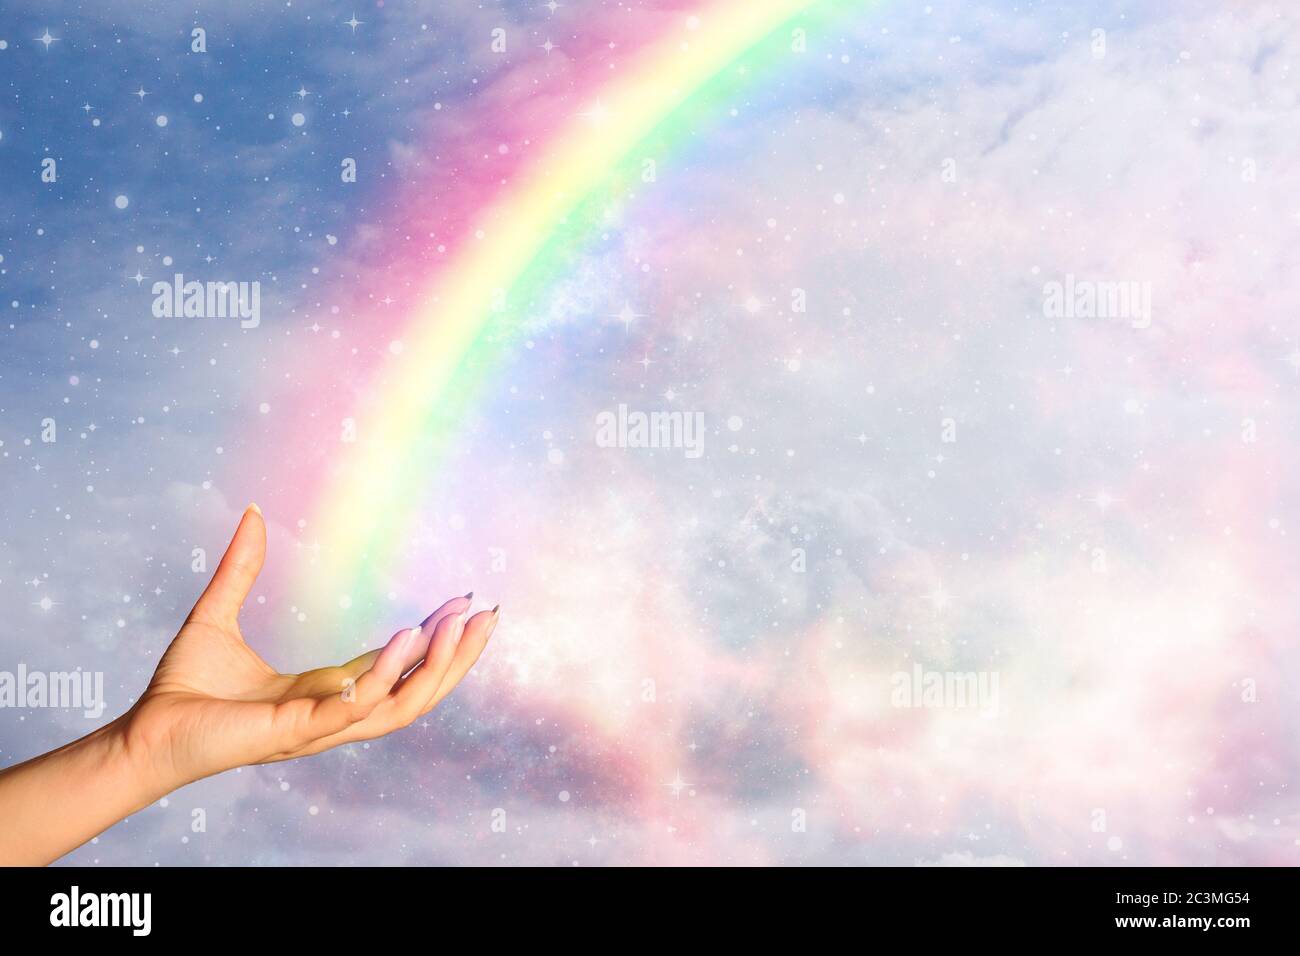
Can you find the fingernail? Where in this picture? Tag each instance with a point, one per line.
(252, 506)
(496, 616)
(469, 596)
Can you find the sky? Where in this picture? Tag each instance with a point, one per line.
(972, 327)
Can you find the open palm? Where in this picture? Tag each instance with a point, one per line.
(214, 704)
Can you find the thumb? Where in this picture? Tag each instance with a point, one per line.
(239, 567)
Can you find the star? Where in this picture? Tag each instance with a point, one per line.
(548, 46)
(1103, 500)
(87, 107)
(597, 114)
(645, 362)
(46, 39)
(302, 93)
(627, 315)
(677, 785)
(141, 92)
(138, 277)
(552, 6)
(354, 23)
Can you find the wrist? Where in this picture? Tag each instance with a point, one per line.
(143, 764)
(53, 803)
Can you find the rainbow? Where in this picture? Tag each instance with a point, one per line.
(515, 243)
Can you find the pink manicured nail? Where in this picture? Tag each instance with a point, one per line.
(429, 620)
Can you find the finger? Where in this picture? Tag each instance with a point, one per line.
(418, 687)
(477, 633)
(455, 605)
(359, 665)
(383, 718)
(309, 719)
(225, 594)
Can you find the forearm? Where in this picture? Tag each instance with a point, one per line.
(53, 803)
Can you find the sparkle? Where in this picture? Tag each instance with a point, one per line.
(597, 114)
(677, 784)
(627, 315)
(1103, 500)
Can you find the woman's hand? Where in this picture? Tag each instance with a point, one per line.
(214, 704)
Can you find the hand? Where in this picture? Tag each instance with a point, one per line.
(214, 704)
